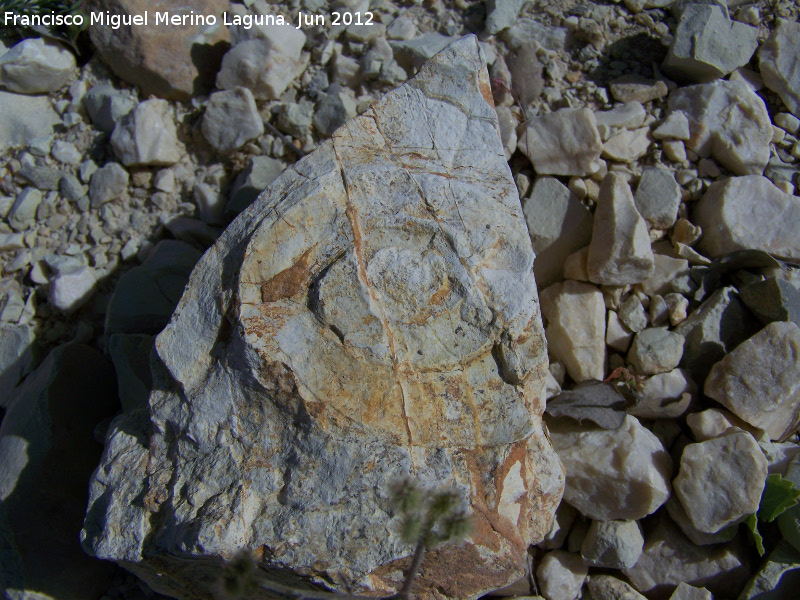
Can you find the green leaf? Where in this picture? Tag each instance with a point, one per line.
(789, 524)
(752, 525)
(779, 494)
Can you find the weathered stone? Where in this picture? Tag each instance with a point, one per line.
(173, 61)
(632, 314)
(261, 171)
(527, 29)
(555, 538)
(71, 289)
(748, 212)
(265, 60)
(412, 53)
(502, 14)
(66, 153)
(23, 211)
(145, 296)
(558, 225)
(777, 60)
(708, 45)
(619, 252)
(759, 380)
(561, 574)
(664, 396)
(527, 80)
(612, 544)
(729, 122)
(16, 357)
(678, 515)
(675, 126)
(633, 88)
(714, 422)
(231, 119)
(25, 118)
(147, 136)
(669, 558)
(565, 142)
(604, 465)
(623, 116)
(106, 106)
(43, 178)
(606, 587)
(772, 299)
(719, 325)
(720, 480)
(618, 336)
(333, 110)
(131, 357)
(684, 591)
(107, 183)
(356, 324)
(668, 274)
(779, 455)
(575, 315)
(47, 453)
(628, 145)
(36, 66)
(658, 197)
(778, 577)
(656, 350)
(295, 119)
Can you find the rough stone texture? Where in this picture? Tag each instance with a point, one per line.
(729, 122)
(623, 116)
(131, 357)
(392, 333)
(231, 119)
(628, 145)
(619, 252)
(675, 126)
(634, 88)
(714, 422)
(106, 106)
(25, 118)
(678, 515)
(264, 60)
(260, 172)
(16, 356)
(107, 183)
(760, 380)
(23, 211)
(575, 314)
(502, 14)
(564, 142)
(656, 350)
(772, 299)
(47, 453)
(720, 480)
(168, 61)
(664, 396)
(748, 212)
(780, 69)
(612, 544)
(71, 289)
(526, 71)
(147, 136)
(36, 66)
(658, 197)
(561, 574)
(562, 523)
(558, 225)
(684, 591)
(668, 274)
(708, 45)
(612, 473)
(778, 577)
(669, 558)
(606, 587)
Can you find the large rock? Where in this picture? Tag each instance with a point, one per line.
(363, 320)
(748, 212)
(760, 380)
(47, 454)
(564, 142)
(604, 465)
(25, 118)
(36, 66)
(231, 119)
(780, 69)
(147, 136)
(165, 60)
(729, 122)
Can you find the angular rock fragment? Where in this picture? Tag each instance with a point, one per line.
(777, 60)
(748, 213)
(633, 88)
(231, 119)
(604, 465)
(561, 575)
(684, 591)
(565, 142)
(558, 225)
(656, 350)
(36, 66)
(709, 45)
(606, 587)
(619, 252)
(575, 314)
(658, 197)
(25, 118)
(106, 106)
(729, 122)
(772, 299)
(760, 380)
(628, 145)
(372, 315)
(720, 480)
(623, 116)
(612, 544)
(147, 136)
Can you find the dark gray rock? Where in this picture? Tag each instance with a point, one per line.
(47, 454)
(771, 300)
(23, 211)
(16, 357)
(106, 106)
(107, 183)
(332, 111)
(131, 357)
(43, 178)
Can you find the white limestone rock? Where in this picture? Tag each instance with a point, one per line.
(604, 465)
(561, 574)
(729, 122)
(356, 324)
(619, 252)
(558, 225)
(664, 396)
(265, 60)
(669, 558)
(618, 336)
(25, 118)
(628, 146)
(759, 380)
(108, 183)
(674, 127)
(658, 197)
(748, 212)
(562, 523)
(147, 136)
(575, 314)
(668, 273)
(720, 480)
(231, 119)
(656, 350)
(777, 60)
(36, 66)
(564, 142)
(700, 538)
(606, 587)
(71, 289)
(612, 544)
(684, 591)
(623, 116)
(709, 45)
